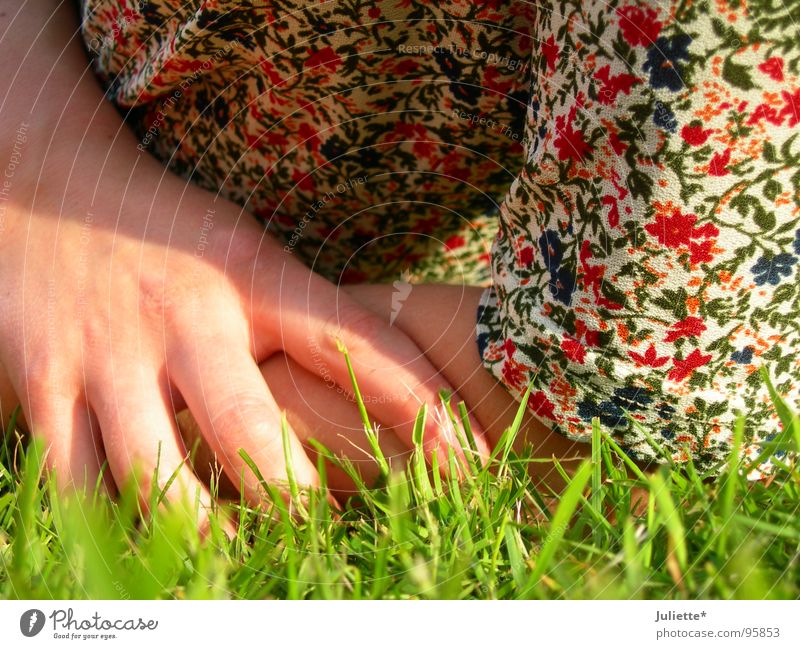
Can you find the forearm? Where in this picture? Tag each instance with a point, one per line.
(78, 153)
(48, 86)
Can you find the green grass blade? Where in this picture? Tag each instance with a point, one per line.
(558, 526)
(671, 518)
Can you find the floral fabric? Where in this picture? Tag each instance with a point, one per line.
(635, 165)
(646, 264)
(332, 121)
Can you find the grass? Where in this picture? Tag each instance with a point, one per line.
(422, 534)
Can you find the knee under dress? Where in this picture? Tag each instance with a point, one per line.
(623, 176)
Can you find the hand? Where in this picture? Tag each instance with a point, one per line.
(130, 294)
(117, 320)
(441, 321)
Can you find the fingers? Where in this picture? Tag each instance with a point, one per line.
(450, 345)
(229, 398)
(394, 376)
(204, 461)
(319, 410)
(74, 452)
(142, 441)
(8, 401)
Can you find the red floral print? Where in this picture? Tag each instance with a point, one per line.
(325, 57)
(683, 369)
(773, 67)
(791, 106)
(550, 51)
(541, 405)
(570, 142)
(456, 241)
(765, 112)
(689, 326)
(573, 349)
(613, 84)
(673, 230)
(695, 135)
(719, 163)
(650, 358)
(639, 25)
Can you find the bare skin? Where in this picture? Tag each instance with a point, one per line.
(113, 316)
(441, 321)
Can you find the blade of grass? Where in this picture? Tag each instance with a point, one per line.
(597, 469)
(294, 488)
(730, 486)
(671, 518)
(559, 524)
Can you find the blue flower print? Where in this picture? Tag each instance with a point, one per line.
(562, 281)
(322, 27)
(665, 411)
(744, 357)
(610, 414)
(631, 398)
(550, 247)
(662, 61)
(770, 271)
(562, 285)
(483, 342)
(665, 118)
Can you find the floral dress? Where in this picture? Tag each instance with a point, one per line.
(623, 176)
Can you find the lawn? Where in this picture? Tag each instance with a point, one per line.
(422, 534)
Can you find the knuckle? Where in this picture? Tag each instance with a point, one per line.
(355, 326)
(43, 378)
(154, 301)
(94, 333)
(244, 409)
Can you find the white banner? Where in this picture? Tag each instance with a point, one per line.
(385, 625)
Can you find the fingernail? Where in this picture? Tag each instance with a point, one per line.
(336, 508)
